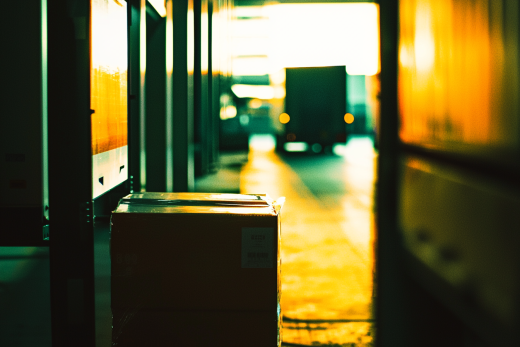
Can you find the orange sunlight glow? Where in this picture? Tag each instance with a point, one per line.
(325, 35)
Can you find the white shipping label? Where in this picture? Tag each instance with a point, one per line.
(258, 249)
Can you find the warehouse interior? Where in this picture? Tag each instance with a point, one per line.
(386, 132)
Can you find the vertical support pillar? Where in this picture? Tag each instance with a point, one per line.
(201, 90)
(142, 95)
(70, 174)
(213, 85)
(134, 94)
(391, 308)
(183, 95)
(155, 96)
(169, 96)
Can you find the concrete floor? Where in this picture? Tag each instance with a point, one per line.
(327, 237)
(25, 319)
(327, 250)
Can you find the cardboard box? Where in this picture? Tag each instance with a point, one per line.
(207, 255)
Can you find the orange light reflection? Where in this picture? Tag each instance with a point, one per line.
(327, 269)
(108, 77)
(458, 86)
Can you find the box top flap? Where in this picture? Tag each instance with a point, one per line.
(197, 203)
